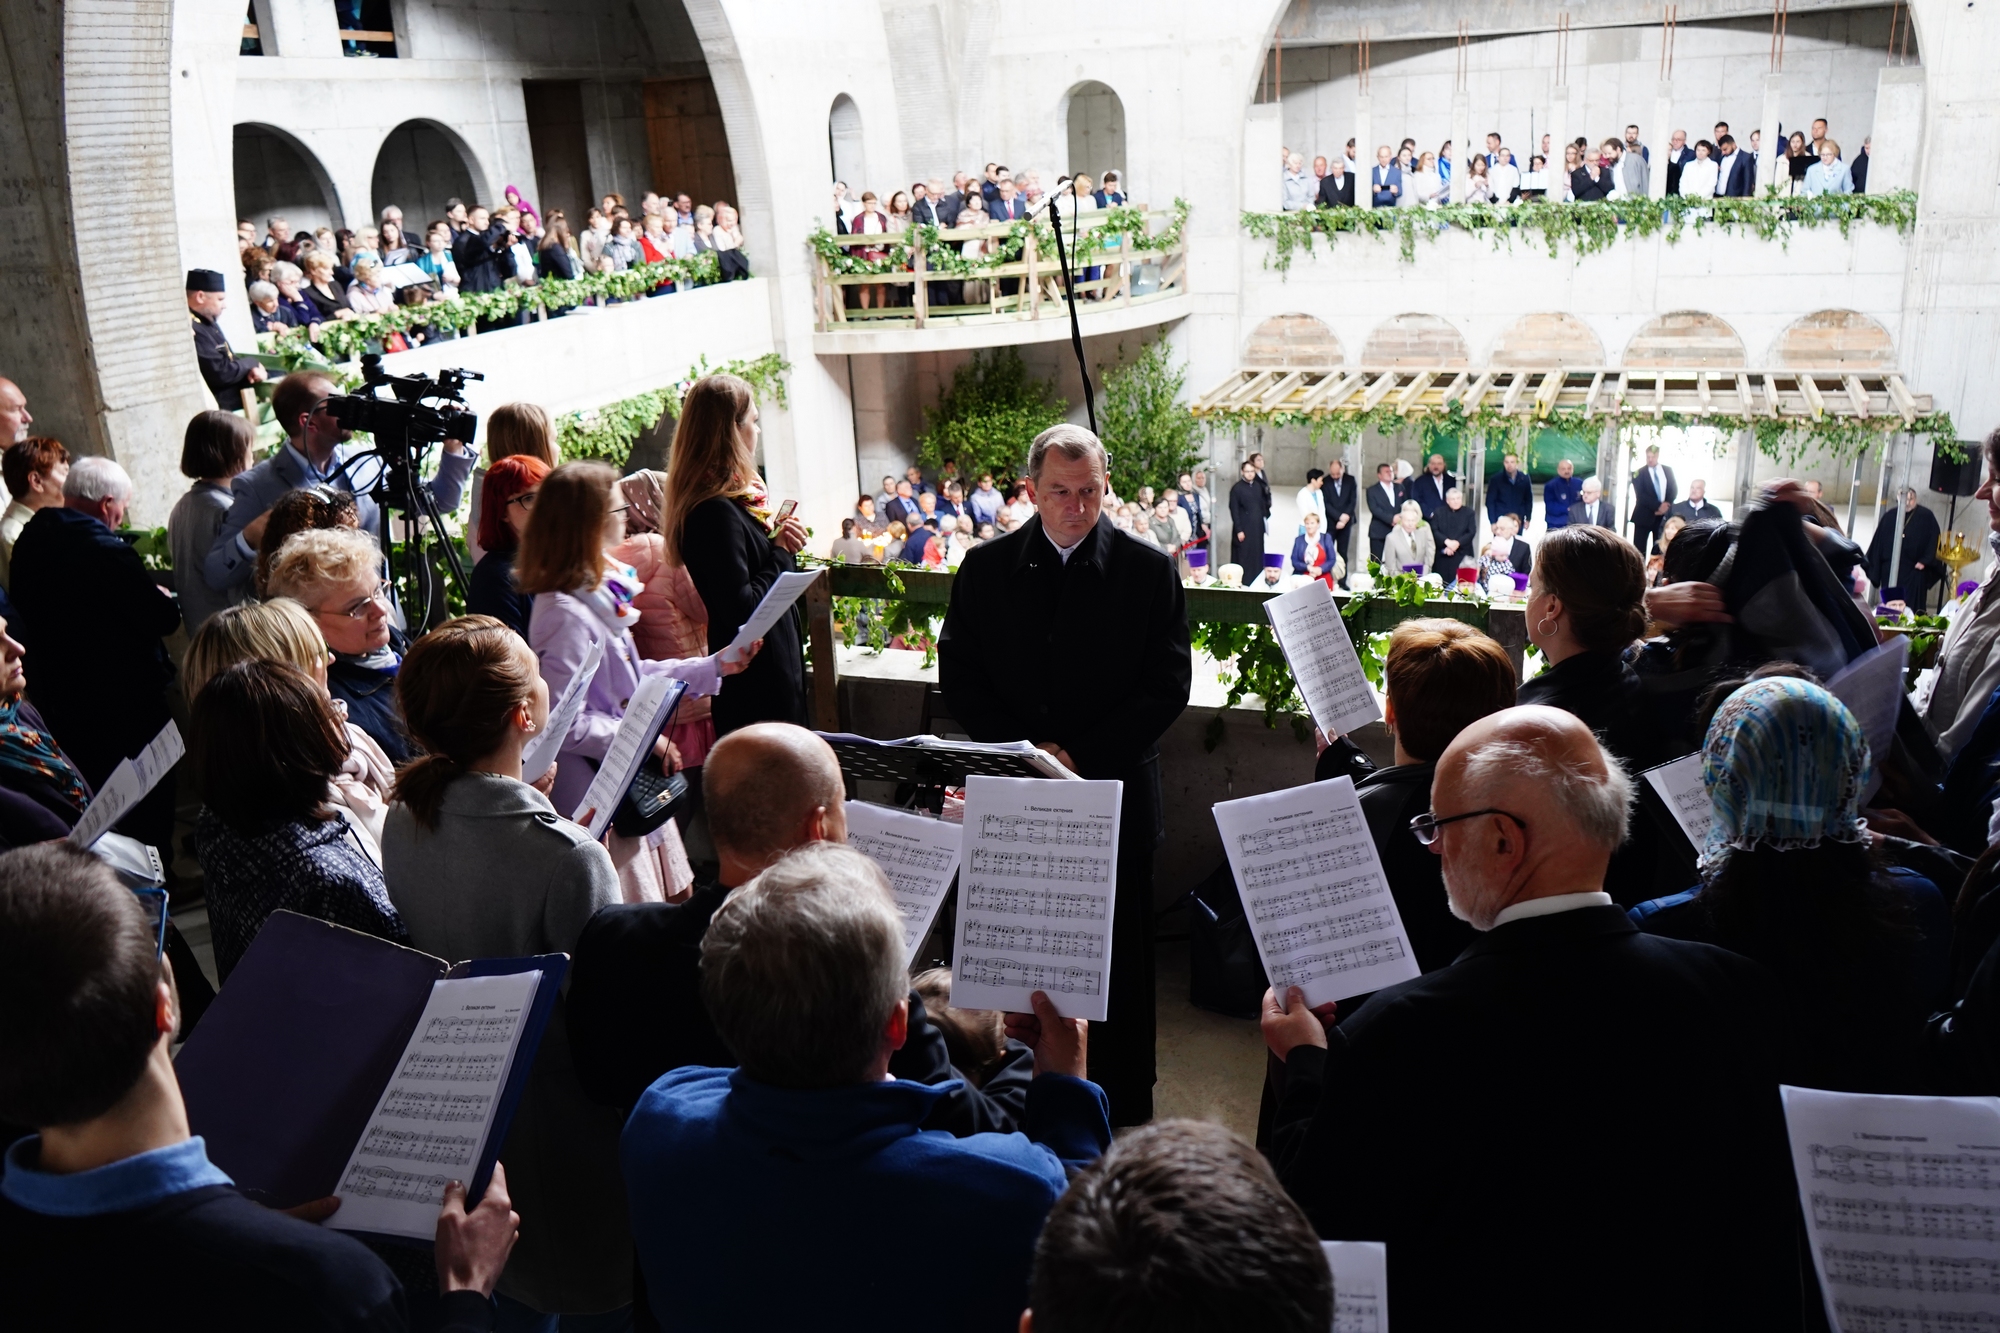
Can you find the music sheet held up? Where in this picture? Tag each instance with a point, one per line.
(1039, 871)
(1314, 637)
(1360, 1285)
(1902, 1208)
(917, 853)
(1314, 891)
(543, 747)
(437, 1109)
(788, 589)
(128, 785)
(1679, 784)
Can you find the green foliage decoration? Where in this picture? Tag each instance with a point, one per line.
(1122, 233)
(608, 432)
(1152, 437)
(1586, 227)
(987, 418)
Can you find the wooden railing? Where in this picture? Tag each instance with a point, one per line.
(1030, 287)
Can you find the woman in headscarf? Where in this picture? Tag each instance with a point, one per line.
(1791, 878)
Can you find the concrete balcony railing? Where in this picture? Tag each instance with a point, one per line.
(1132, 273)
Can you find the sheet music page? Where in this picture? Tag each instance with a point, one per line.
(128, 785)
(1038, 875)
(438, 1107)
(777, 601)
(1872, 688)
(1328, 670)
(544, 746)
(1902, 1207)
(1360, 1285)
(1679, 784)
(919, 855)
(629, 748)
(1314, 890)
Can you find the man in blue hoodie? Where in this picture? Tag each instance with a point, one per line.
(777, 1194)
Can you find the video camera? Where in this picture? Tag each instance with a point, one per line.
(405, 418)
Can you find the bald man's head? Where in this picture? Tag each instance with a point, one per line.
(769, 788)
(1558, 804)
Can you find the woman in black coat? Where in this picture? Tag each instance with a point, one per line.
(715, 521)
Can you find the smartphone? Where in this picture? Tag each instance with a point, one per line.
(784, 512)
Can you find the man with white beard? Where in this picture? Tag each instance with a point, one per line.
(1568, 1094)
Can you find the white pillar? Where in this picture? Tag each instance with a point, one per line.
(1558, 128)
(298, 28)
(1263, 177)
(1461, 146)
(1364, 153)
(1661, 133)
(1770, 151)
(1898, 133)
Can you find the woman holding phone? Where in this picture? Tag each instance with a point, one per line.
(717, 522)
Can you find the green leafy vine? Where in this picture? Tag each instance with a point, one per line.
(1120, 231)
(608, 432)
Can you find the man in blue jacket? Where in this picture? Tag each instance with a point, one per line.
(1559, 493)
(774, 1195)
(1509, 491)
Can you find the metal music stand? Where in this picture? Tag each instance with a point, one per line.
(922, 772)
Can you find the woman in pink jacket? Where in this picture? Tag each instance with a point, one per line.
(583, 596)
(673, 622)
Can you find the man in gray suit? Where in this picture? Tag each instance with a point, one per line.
(1593, 507)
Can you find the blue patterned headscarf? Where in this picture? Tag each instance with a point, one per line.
(1785, 766)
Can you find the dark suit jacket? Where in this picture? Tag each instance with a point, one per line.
(1380, 178)
(1001, 211)
(1644, 501)
(635, 1012)
(1521, 557)
(1339, 195)
(733, 563)
(925, 211)
(1694, 513)
(1016, 610)
(1675, 161)
(1582, 512)
(1515, 497)
(478, 255)
(1429, 494)
(1585, 189)
(1857, 171)
(1460, 524)
(1341, 498)
(1741, 182)
(1583, 1030)
(1382, 510)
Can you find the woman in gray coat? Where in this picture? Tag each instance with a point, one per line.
(216, 447)
(480, 865)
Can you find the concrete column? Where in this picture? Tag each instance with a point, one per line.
(1461, 146)
(1263, 178)
(299, 28)
(1364, 150)
(1897, 139)
(1558, 127)
(1658, 134)
(1771, 153)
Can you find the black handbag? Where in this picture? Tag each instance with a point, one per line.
(651, 799)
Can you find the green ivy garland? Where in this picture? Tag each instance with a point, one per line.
(608, 432)
(1123, 231)
(344, 339)
(1587, 227)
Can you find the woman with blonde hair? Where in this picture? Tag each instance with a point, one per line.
(583, 598)
(717, 523)
(511, 429)
(673, 623)
(281, 630)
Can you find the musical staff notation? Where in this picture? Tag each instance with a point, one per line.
(1906, 1168)
(1311, 967)
(450, 1068)
(1048, 831)
(1338, 827)
(1278, 906)
(1032, 976)
(1857, 1317)
(460, 1031)
(410, 1145)
(1368, 921)
(383, 1182)
(440, 1107)
(1041, 865)
(1273, 873)
(1883, 1270)
(1036, 939)
(893, 853)
(1035, 902)
(1900, 1217)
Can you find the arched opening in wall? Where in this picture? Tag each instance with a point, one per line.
(843, 137)
(1551, 340)
(1693, 340)
(420, 168)
(1834, 340)
(1291, 341)
(1094, 124)
(1415, 340)
(277, 176)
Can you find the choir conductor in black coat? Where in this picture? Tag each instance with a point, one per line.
(1071, 634)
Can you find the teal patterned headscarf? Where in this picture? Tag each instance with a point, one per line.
(1785, 766)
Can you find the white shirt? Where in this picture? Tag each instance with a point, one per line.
(1561, 902)
(1064, 551)
(1312, 501)
(1505, 178)
(1659, 484)
(1389, 489)
(1722, 170)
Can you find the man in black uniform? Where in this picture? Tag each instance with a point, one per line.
(225, 373)
(1247, 508)
(1073, 635)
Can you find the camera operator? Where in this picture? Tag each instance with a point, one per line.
(315, 452)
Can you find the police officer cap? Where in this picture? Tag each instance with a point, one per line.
(205, 280)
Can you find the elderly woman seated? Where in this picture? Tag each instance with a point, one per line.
(1313, 551)
(336, 575)
(368, 295)
(1409, 542)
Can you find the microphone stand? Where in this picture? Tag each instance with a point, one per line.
(1069, 291)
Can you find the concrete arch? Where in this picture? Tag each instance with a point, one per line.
(419, 165)
(1690, 338)
(1416, 340)
(1834, 340)
(1093, 130)
(276, 175)
(1290, 340)
(846, 144)
(1551, 339)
